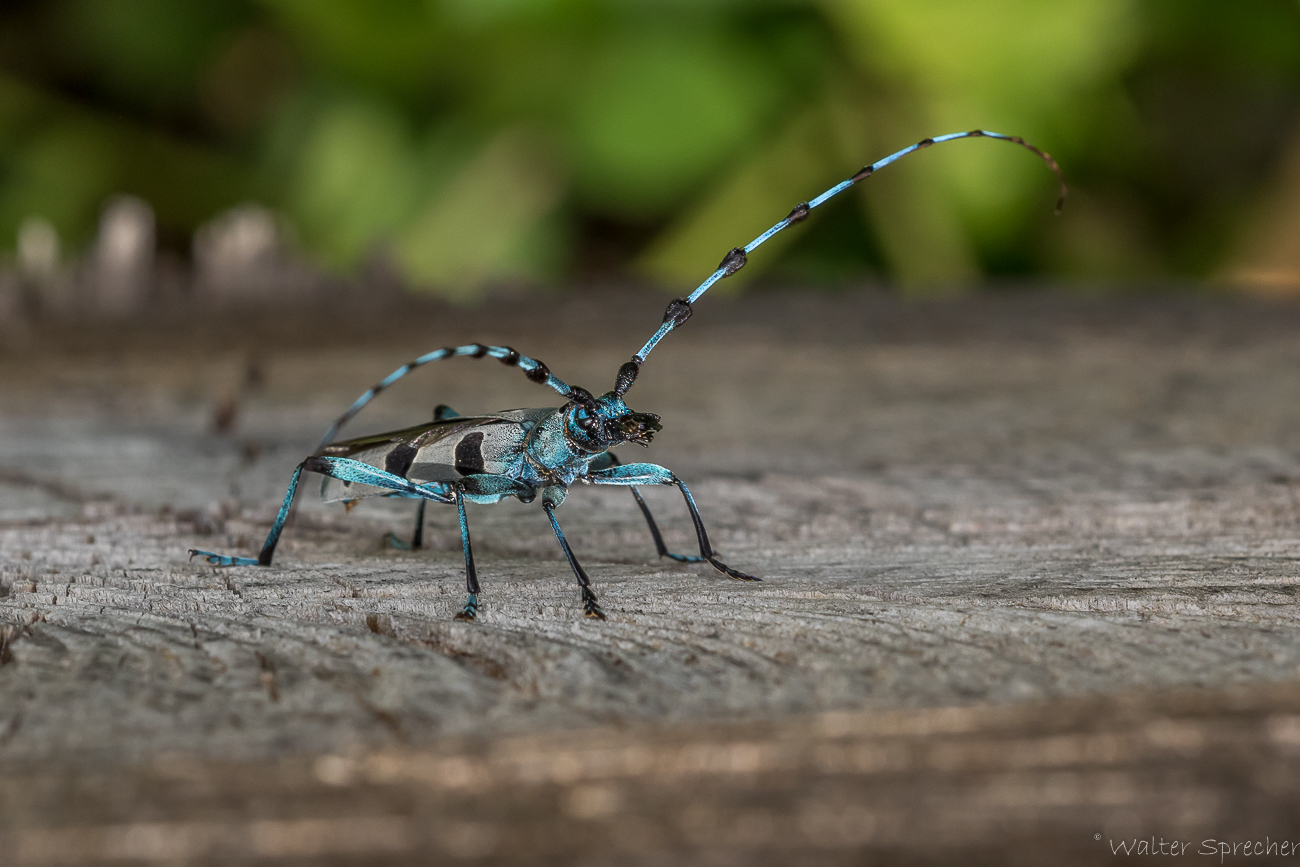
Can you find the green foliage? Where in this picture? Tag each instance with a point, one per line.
(149, 52)
(476, 141)
(387, 45)
(657, 110)
(357, 177)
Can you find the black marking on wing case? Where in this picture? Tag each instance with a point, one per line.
(398, 461)
(469, 454)
(426, 434)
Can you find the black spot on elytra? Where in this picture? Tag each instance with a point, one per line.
(398, 461)
(469, 454)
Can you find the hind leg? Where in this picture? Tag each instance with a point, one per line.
(344, 469)
(272, 539)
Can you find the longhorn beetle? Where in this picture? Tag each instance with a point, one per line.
(525, 452)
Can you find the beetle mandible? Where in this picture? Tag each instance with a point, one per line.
(526, 452)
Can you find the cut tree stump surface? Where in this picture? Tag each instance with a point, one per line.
(1005, 504)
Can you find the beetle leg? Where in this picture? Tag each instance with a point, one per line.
(489, 488)
(470, 611)
(706, 551)
(272, 538)
(417, 538)
(344, 469)
(653, 474)
(612, 461)
(589, 605)
(659, 539)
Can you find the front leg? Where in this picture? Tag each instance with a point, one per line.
(608, 459)
(653, 474)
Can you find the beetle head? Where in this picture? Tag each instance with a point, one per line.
(602, 422)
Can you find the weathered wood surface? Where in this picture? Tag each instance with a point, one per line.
(1000, 502)
(1023, 784)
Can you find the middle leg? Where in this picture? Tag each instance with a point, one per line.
(470, 611)
(417, 537)
(479, 488)
(589, 605)
(441, 412)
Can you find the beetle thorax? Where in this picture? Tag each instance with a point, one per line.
(564, 443)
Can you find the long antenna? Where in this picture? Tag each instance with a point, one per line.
(535, 370)
(679, 310)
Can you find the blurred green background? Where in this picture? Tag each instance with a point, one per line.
(472, 143)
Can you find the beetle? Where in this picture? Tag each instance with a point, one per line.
(524, 453)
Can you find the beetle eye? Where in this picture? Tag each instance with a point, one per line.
(586, 422)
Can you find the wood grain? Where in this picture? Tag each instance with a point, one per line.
(1065, 523)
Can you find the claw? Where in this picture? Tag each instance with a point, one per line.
(470, 611)
(731, 573)
(391, 540)
(590, 607)
(222, 559)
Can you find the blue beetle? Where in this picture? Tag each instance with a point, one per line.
(526, 452)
